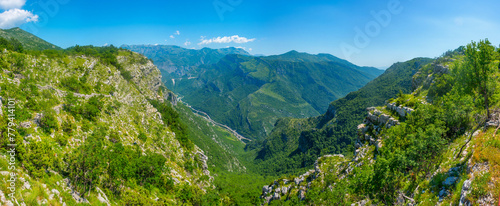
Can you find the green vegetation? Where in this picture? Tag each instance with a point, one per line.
(425, 159)
(114, 137)
(297, 143)
(479, 71)
(171, 118)
(123, 166)
(250, 93)
(29, 41)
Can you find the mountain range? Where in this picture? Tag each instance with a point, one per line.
(104, 126)
(249, 93)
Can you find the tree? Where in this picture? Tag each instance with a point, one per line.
(479, 69)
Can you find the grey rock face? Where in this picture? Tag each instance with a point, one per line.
(450, 181)
(266, 190)
(302, 194)
(463, 194)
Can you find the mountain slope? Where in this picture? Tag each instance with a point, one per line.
(249, 93)
(296, 143)
(435, 146)
(29, 41)
(94, 129)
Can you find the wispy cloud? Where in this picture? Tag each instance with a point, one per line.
(225, 39)
(187, 43)
(176, 33)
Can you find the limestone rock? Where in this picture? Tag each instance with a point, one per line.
(302, 194)
(266, 190)
(463, 194)
(276, 196)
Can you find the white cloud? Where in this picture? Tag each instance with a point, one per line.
(172, 36)
(226, 39)
(250, 49)
(11, 4)
(187, 43)
(15, 17)
(177, 32)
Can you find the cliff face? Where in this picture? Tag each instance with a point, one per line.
(70, 103)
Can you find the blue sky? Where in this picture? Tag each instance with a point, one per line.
(400, 29)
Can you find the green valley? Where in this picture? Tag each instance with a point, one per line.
(250, 93)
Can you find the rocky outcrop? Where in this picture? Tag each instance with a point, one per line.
(402, 111)
(426, 79)
(171, 97)
(298, 186)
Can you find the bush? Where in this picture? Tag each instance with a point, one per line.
(68, 127)
(62, 140)
(142, 136)
(76, 84)
(39, 158)
(49, 122)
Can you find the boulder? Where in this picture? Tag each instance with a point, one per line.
(384, 118)
(284, 190)
(372, 118)
(450, 181)
(266, 190)
(440, 69)
(298, 180)
(277, 190)
(276, 196)
(379, 144)
(401, 111)
(492, 123)
(302, 194)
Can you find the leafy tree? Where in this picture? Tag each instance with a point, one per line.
(479, 69)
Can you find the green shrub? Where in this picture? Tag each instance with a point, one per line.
(142, 136)
(38, 158)
(48, 122)
(68, 127)
(62, 140)
(76, 84)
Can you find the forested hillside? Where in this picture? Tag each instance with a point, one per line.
(437, 145)
(296, 143)
(250, 93)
